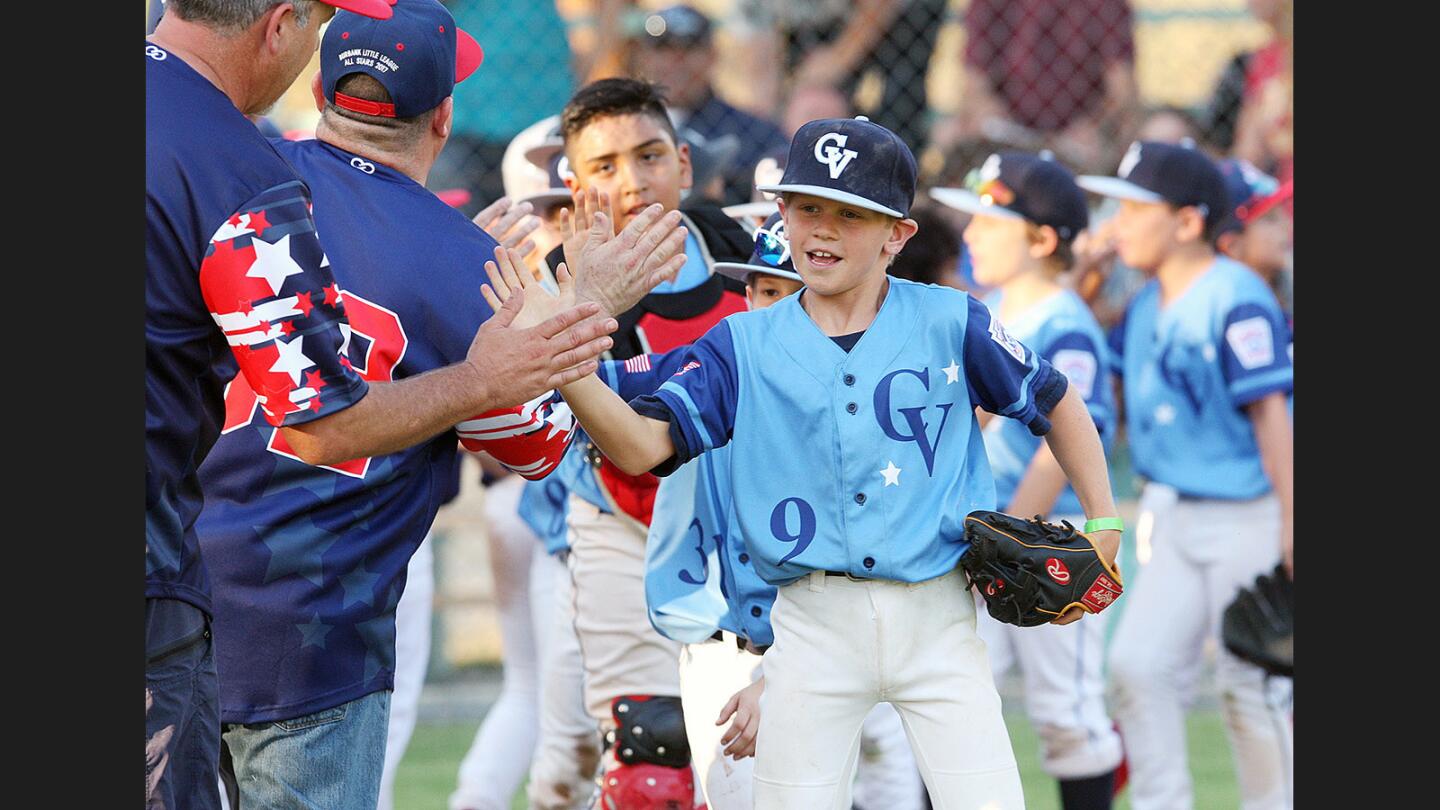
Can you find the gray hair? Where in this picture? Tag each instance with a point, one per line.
(233, 16)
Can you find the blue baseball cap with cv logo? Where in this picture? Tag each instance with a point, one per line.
(851, 160)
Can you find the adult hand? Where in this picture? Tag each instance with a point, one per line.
(617, 270)
(510, 224)
(514, 364)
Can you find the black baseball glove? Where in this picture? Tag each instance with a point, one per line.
(1259, 625)
(1030, 572)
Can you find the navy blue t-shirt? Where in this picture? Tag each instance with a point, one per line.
(232, 264)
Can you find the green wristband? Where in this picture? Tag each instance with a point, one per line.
(1104, 524)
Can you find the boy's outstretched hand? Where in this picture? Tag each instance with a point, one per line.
(509, 276)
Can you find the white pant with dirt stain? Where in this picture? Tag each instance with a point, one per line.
(841, 647)
(1204, 551)
(712, 671)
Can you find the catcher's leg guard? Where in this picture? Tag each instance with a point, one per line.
(647, 756)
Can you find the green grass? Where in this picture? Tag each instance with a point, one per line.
(427, 774)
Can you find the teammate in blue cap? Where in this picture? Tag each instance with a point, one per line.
(1202, 353)
(855, 458)
(1026, 210)
(309, 561)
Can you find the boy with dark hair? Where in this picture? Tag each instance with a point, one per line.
(624, 156)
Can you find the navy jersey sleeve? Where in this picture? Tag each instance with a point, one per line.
(1004, 376)
(643, 373)
(1075, 355)
(699, 399)
(268, 287)
(1253, 354)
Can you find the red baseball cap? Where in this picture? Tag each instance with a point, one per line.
(379, 9)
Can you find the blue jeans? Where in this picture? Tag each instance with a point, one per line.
(182, 708)
(329, 760)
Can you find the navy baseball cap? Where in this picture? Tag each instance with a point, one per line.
(1155, 172)
(418, 55)
(676, 26)
(1018, 185)
(770, 256)
(851, 160)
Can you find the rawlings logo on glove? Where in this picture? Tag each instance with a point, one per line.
(1030, 572)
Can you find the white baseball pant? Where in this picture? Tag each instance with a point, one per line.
(712, 671)
(622, 652)
(562, 773)
(412, 660)
(843, 645)
(1062, 669)
(499, 756)
(1203, 552)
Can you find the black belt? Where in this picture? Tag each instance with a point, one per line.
(848, 575)
(739, 642)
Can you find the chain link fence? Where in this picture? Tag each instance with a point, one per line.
(955, 78)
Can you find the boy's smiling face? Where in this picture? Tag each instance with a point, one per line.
(836, 245)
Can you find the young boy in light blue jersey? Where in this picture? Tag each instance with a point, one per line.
(1205, 370)
(1026, 210)
(856, 458)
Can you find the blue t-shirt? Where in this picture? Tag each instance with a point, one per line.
(1060, 329)
(865, 462)
(1190, 368)
(309, 562)
(230, 248)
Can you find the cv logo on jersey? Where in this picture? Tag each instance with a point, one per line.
(913, 417)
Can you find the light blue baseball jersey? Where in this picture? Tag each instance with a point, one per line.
(863, 462)
(1062, 330)
(1188, 371)
(698, 573)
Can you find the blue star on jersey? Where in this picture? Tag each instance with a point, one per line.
(814, 426)
(1190, 368)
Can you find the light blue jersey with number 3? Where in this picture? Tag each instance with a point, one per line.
(864, 462)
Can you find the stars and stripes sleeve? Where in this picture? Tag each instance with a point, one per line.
(267, 284)
(529, 439)
(1004, 376)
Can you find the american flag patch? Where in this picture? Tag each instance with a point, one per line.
(638, 363)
